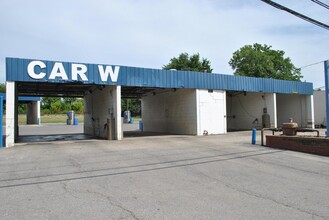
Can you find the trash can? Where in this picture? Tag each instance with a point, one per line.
(140, 125)
(76, 121)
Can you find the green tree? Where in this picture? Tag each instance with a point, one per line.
(133, 105)
(2, 87)
(68, 102)
(46, 102)
(261, 61)
(22, 108)
(55, 105)
(77, 105)
(189, 63)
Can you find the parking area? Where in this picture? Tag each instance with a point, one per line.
(162, 177)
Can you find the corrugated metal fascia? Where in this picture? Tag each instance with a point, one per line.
(134, 76)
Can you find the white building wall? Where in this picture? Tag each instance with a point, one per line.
(99, 106)
(320, 108)
(244, 111)
(211, 107)
(170, 111)
(297, 107)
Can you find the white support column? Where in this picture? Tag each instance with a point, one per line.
(225, 113)
(117, 112)
(39, 112)
(197, 104)
(10, 113)
(310, 111)
(270, 99)
(275, 114)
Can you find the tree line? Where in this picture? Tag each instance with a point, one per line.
(257, 60)
(55, 105)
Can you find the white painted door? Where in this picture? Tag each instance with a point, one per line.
(212, 112)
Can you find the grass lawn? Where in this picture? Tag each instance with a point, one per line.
(53, 118)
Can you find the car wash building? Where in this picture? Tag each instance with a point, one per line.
(173, 102)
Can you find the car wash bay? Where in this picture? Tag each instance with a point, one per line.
(44, 133)
(164, 111)
(173, 102)
(246, 110)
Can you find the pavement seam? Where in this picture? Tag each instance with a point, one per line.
(131, 166)
(170, 166)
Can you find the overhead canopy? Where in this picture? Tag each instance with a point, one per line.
(42, 77)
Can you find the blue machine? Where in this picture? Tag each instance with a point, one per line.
(253, 136)
(141, 125)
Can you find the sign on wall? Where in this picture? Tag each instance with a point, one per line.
(38, 70)
(52, 71)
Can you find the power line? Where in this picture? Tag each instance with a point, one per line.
(312, 64)
(319, 87)
(311, 20)
(321, 3)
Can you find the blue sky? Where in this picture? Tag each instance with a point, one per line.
(147, 33)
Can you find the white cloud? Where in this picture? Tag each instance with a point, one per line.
(148, 33)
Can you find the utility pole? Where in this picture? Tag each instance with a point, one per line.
(326, 76)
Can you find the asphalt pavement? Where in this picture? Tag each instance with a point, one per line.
(162, 177)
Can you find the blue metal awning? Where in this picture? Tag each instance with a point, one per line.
(22, 98)
(35, 70)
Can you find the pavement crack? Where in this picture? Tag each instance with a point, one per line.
(75, 163)
(115, 204)
(68, 191)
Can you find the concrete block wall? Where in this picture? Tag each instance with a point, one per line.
(211, 107)
(320, 108)
(244, 111)
(298, 107)
(99, 106)
(170, 111)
